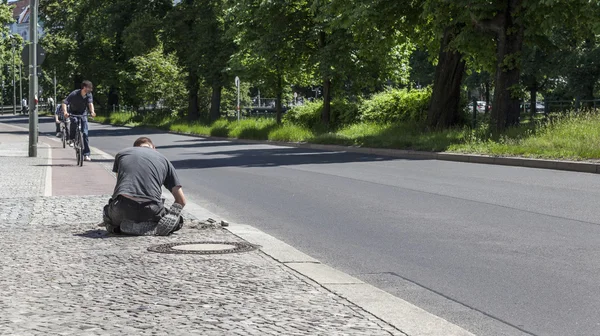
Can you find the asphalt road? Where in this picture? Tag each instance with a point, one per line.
(496, 250)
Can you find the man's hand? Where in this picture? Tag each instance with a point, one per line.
(56, 120)
(93, 114)
(178, 195)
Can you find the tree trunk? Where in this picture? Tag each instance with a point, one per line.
(326, 112)
(533, 102)
(215, 103)
(278, 107)
(444, 109)
(505, 112)
(487, 96)
(193, 87)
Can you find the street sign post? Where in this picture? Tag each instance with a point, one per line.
(237, 84)
(33, 78)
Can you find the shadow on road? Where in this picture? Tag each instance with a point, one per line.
(272, 158)
(202, 143)
(133, 131)
(14, 132)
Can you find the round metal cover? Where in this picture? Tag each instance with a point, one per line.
(203, 248)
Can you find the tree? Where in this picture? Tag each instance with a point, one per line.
(6, 49)
(155, 78)
(360, 45)
(101, 50)
(444, 108)
(273, 40)
(196, 31)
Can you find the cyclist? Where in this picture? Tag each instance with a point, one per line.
(59, 117)
(80, 102)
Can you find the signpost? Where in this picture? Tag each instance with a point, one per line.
(237, 84)
(14, 78)
(33, 79)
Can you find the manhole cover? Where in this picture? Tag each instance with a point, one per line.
(203, 248)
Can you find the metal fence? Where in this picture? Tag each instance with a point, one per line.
(575, 105)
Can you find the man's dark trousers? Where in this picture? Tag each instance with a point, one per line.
(84, 130)
(122, 208)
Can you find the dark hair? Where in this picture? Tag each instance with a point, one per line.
(141, 141)
(87, 84)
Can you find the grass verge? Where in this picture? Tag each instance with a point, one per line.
(570, 137)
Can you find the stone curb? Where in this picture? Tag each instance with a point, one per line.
(573, 166)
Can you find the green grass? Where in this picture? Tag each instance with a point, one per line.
(575, 137)
(399, 136)
(118, 118)
(291, 133)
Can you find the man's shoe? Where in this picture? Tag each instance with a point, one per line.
(170, 221)
(59, 135)
(107, 223)
(87, 158)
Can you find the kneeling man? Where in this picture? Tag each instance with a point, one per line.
(136, 206)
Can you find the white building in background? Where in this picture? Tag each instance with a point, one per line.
(21, 16)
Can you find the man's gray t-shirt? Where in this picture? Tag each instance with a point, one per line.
(78, 103)
(141, 172)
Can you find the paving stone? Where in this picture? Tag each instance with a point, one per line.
(64, 275)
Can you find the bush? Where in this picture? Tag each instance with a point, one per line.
(219, 128)
(309, 115)
(344, 113)
(396, 105)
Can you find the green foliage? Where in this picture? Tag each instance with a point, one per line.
(229, 97)
(396, 105)
(255, 129)
(5, 43)
(291, 133)
(155, 78)
(571, 136)
(401, 136)
(309, 115)
(574, 136)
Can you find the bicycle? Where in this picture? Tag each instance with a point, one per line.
(78, 144)
(64, 133)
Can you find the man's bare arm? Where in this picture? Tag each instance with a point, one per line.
(64, 108)
(178, 195)
(91, 107)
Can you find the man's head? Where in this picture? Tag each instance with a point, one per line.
(144, 142)
(87, 86)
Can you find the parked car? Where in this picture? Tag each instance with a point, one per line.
(539, 107)
(480, 106)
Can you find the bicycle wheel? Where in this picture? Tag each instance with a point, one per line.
(78, 156)
(81, 145)
(63, 135)
(77, 147)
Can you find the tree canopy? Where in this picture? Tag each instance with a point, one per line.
(348, 49)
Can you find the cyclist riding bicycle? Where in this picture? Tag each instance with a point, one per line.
(80, 102)
(59, 117)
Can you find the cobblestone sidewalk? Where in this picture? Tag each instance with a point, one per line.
(63, 275)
